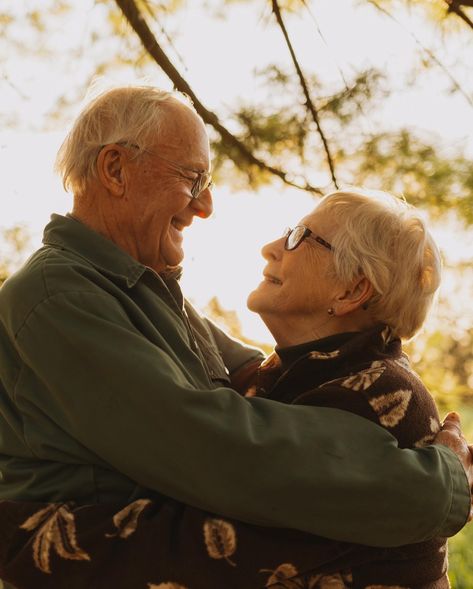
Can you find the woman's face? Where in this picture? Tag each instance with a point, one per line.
(297, 284)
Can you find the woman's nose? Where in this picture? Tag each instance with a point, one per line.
(274, 249)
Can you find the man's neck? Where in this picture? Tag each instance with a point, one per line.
(102, 221)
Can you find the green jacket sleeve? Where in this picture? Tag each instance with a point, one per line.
(234, 354)
(319, 470)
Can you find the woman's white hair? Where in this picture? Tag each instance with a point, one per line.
(385, 239)
(124, 114)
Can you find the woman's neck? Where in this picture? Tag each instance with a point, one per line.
(291, 331)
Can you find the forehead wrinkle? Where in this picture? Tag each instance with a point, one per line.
(184, 139)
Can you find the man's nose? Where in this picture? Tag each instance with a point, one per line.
(203, 204)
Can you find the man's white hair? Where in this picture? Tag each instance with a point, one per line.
(124, 114)
(385, 239)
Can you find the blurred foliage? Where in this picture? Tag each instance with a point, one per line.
(277, 126)
(286, 5)
(279, 130)
(460, 570)
(15, 244)
(435, 11)
(229, 322)
(30, 32)
(444, 361)
(150, 8)
(402, 163)
(274, 123)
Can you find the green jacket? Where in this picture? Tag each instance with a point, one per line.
(108, 393)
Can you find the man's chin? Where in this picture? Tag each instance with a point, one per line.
(172, 272)
(172, 258)
(169, 265)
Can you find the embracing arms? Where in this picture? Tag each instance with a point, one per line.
(131, 404)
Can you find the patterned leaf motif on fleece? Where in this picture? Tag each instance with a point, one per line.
(429, 438)
(387, 335)
(391, 408)
(126, 520)
(315, 355)
(56, 529)
(281, 576)
(220, 539)
(365, 378)
(286, 576)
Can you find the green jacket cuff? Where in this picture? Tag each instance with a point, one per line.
(460, 504)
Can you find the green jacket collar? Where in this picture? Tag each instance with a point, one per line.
(72, 235)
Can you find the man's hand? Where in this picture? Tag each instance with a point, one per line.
(451, 436)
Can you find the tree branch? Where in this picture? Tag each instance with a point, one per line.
(305, 89)
(462, 2)
(430, 53)
(147, 38)
(456, 7)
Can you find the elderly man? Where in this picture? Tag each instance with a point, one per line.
(114, 390)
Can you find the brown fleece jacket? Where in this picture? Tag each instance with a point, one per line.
(368, 374)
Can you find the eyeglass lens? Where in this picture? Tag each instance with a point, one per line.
(293, 237)
(202, 182)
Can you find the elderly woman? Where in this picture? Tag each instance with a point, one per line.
(340, 292)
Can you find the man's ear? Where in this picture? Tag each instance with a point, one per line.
(354, 297)
(110, 169)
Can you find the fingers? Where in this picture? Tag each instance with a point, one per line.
(452, 421)
(452, 424)
(452, 416)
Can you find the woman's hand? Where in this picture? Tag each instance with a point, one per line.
(451, 436)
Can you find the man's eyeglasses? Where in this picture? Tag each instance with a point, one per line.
(294, 237)
(202, 182)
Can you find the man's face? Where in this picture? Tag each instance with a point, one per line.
(160, 200)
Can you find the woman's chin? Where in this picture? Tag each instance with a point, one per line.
(251, 300)
(257, 300)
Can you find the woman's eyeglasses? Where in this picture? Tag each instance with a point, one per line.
(294, 237)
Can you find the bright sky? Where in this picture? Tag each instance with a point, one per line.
(223, 253)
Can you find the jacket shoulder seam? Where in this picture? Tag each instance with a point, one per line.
(53, 296)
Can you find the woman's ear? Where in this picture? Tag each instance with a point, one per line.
(354, 297)
(110, 169)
